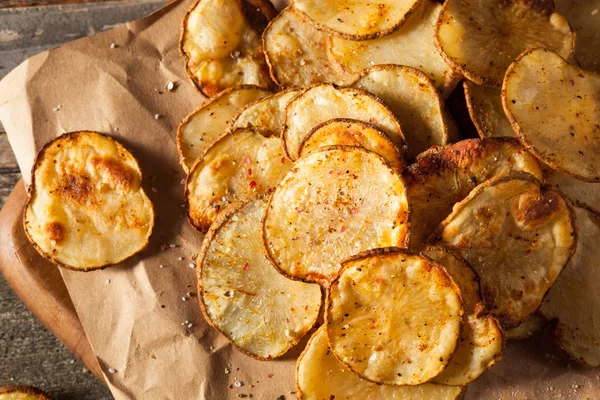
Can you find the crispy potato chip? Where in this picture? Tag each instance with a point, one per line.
(265, 115)
(584, 18)
(393, 317)
(262, 312)
(481, 38)
(297, 52)
(350, 132)
(528, 328)
(22, 393)
(410, 94)
(321, 103)
(485, 108)
(207, 123)
(334, 203)
(554, 109)
(481, 338)
(444, 177)
(573, 300)
(587, 193)
(357, 19)
(240, 164)
(517, 235)
(86, 207)
(411, 45)
(317, 361)
(221, 44)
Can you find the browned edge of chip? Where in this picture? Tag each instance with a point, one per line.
(264, 44)
(519, 132)
(284, 133)
(439, 270)
(30, 390)
(400, 162)
(197, 109)
(471, 108)
(264, 7)
(322, 280)
(31, 189)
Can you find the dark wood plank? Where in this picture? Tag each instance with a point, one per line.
(8, 162)
(31, 3)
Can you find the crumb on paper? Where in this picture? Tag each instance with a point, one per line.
(180, 258)
(112, 370)
(157, 116)
(57, 108)
(161, 266)
(184, 298)
(108, 281)
(192, 265)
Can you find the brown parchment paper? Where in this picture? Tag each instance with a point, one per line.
(137, 316)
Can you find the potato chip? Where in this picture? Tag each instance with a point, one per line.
(350, 132)
(518, 236)
(481, 338)
(584, 18)
(334, 203)
(553, 108)
(481, 38)
(221, 44)
(240, 164)
(297, 52)
(22, 393)
(321, 103)
(358, 19)
(411, 45)
(485, 108)
(317, 361)
(393, 317)
(410, 94)
(86, 207)
(265, 115)
(207, 123)
(572, 299)
(587, 193)
(260, 311)
(528, 328)
(445, 176)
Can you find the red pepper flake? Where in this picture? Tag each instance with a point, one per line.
(283, 160)
(252, 184)
(527, 252)
(217, 208)
(580, 75)
(268, 357)
(306, 308)
(287, 320)
(355, 210)
(299, 210)
(246, 160)
(270, 375)
(249, 171)
(378, 280)
(572, 82)
(585, 136)
(340, 173)
(330, 171)
(343, 228)
(246, 267)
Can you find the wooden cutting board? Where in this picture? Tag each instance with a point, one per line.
(39, 283)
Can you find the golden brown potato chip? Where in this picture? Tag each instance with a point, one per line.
(573, 298)
(334, 203)
(357, 19)
(485, 108)
(587, 193)
(265, 115)
(207, 123)
(528, 328)
(350, 132)
(86, 207)
(259, 310)
(240, 164)
(411, 45)
(554, 109)
(481, 38)
(444, 177)
(221, 44)
(393, 317)
(317, 362)
(22, 393)
(517, 235)
(297, 52)
(320, 103)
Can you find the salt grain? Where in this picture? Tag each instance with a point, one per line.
(108, 281)
(238, 384)
(226, 371)
(183, 299)
(192, 265)
(112, 370)
(161, 266)
(112, 45)
(180, 258)
(154, 190)
(57, 108)
(182, 182)
(157, 116)
(170, 86)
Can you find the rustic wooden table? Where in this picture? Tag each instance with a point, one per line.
(29, 353)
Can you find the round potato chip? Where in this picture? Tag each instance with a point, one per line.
(481, 38)
(393, 317)
(350, 132)
(528, 328)
(297, 52)
(518, 236)
(317, 361)
(485, 108)
(321, 103)
(411, 45)
(444, 177)
(265, 115)
(22, 393)
(260, 311)
(334, 203)
(86, 207)
(587, 193)
(553, 108)
(413, 98)
(207, 123)
(573, 298)
(221, 44)
(242, 163)
(358, 19)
